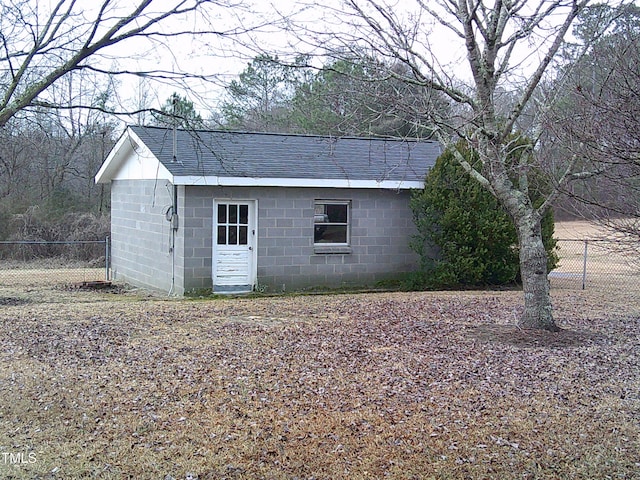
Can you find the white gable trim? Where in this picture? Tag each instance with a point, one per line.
(294, 182)
(130, 159)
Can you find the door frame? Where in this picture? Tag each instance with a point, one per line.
(252, 244)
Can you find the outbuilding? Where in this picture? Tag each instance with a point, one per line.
(194, 210)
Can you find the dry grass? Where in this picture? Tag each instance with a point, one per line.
(433, 385)
(612, 260)
(580, 230)
(47, 272)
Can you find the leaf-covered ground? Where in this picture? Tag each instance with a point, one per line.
(420, 385)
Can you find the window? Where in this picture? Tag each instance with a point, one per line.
(233, 224)
(331, 221)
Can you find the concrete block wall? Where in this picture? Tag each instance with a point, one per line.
(381, 226)
(195, 238)
(140, 233)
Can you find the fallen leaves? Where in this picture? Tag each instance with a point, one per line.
(347, 386)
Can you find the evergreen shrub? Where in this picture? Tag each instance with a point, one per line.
(465, 237)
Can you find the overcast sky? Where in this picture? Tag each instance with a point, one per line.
(222, 59)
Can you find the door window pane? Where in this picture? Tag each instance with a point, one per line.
(222, 235)
(243, 235)
(232, 224)
(222, 214)
(244, 214)
(233, 235)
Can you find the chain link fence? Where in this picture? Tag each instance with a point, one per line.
(599, 265)
(39, 263)
(602, 265)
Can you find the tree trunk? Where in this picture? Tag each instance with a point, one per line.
(535, 284)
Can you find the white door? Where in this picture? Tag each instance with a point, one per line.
(234, 251)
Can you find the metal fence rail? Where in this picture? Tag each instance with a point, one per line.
(595, 264)
(35, 262)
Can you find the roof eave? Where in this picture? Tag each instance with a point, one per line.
(208, 180)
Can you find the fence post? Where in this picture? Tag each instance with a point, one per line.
(584, 265)
(107, 258)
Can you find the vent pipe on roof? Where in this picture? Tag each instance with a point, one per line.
(174, 159)
(175, 129)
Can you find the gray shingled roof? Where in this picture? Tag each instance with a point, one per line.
(270, 155)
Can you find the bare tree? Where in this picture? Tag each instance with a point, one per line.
(48, 157)
(41, 42)
(15, 159)
(487, 47)
(603, 85)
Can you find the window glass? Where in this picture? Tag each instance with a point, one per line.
(232, 224)
(331, 222)
(244, 214)
(222, 235)
(336, 213)
(331, 234)
(222, 214)
(233, 235)
(243, 235)
(233, 213)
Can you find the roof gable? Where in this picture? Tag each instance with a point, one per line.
(130, 159)
(242, 158)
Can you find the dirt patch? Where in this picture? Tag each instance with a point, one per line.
(13, 301)
(95, 286)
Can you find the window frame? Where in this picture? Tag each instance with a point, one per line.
(233, 220)
(332, 247)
